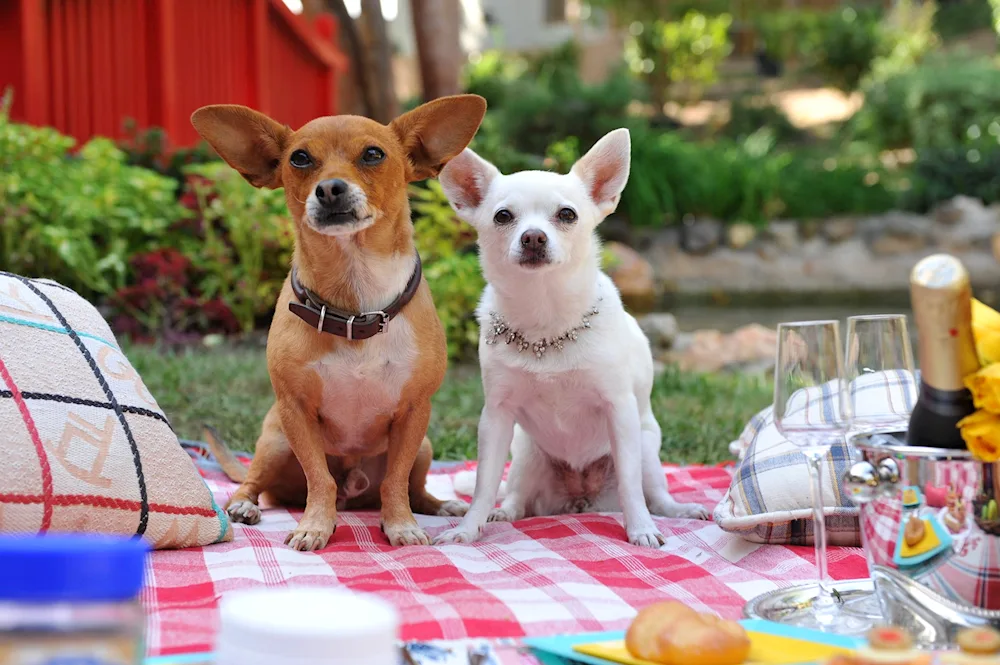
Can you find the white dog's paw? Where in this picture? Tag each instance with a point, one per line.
(459, 534)
(245, 512)
(503, 514)
(691, 511)
(453, 508)
(646, 537)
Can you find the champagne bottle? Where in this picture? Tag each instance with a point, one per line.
(941, 296)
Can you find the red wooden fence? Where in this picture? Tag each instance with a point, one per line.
(86, 66)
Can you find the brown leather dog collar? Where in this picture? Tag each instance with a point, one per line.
(324, 317)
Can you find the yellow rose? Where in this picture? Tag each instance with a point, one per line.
(986, 330)
(981, 433)
(985, 388)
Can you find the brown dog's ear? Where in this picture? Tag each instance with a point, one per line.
(249, 141)
(435, 132)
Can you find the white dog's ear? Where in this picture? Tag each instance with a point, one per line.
(466, 180)
(604, 169)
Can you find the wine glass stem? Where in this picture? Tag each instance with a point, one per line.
(824, 599)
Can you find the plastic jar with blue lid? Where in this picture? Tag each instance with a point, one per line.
(71, 600)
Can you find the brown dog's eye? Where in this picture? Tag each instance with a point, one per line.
(372, 155)
(300, 159)
(503, 216)
(566, 215)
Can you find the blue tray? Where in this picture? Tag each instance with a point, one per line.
(920, 497)
(558, 650)
(942, 535)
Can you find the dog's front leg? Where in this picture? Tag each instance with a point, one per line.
(626, 448)
(496, 431)
(405, 438)
(319, 521)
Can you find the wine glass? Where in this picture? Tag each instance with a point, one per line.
(812, 411)
(882, 390)
(880, 376)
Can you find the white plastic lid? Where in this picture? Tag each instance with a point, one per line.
(295, 626)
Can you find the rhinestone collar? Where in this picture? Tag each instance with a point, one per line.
(500, 329)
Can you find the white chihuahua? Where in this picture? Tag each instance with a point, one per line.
(567, 372)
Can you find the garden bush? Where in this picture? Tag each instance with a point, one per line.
(848, 46)
(746, 181)
(849, 41)
(749, 114)
(960, 17)
(220, 269)
(150, 148)
(789, 35)
(946, 101)
(672, 178)
(533, 104)
(940, 174)
(815, 184)
(665, 52)
(241, 237)
(448, 248)
(77, 217)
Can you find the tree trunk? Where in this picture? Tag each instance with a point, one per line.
(436, 29)
(359, 67)
(379, 72)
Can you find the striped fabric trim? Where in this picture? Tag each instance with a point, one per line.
(104, 502)
(110, 395)
(65, 399)
(43, 459)
(44, 326)
(36, 280)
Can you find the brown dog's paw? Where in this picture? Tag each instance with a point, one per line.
(305, 539)
(453, 509)
(405, 534)
(244, 512)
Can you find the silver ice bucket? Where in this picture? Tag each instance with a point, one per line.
(950, 578)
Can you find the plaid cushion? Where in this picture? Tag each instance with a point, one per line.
(85, 446)
(538, 576)
(769, 500)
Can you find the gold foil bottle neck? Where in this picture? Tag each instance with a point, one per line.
(941, 296)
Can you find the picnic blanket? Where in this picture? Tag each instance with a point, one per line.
(540, 576)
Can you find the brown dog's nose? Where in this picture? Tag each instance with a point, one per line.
(534, 239)
(330, 191)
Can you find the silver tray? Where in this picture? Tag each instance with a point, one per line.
(857, 597)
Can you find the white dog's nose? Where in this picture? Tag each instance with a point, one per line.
(534, 239)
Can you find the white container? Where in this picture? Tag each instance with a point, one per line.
(306, 626)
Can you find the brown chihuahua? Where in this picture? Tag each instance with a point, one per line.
(356, 349)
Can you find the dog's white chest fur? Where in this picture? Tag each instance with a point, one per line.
(363, 382)
(563, 413)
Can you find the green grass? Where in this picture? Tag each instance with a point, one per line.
(229, 388)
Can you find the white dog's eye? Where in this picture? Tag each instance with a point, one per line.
(566, 215)
(503, 216)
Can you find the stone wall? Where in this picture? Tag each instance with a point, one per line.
(847, 257)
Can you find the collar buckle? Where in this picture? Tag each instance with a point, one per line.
(383, 323)
(322, 319)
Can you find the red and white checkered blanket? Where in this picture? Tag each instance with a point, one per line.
(539, 576)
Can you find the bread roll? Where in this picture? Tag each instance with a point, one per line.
(671, 633)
